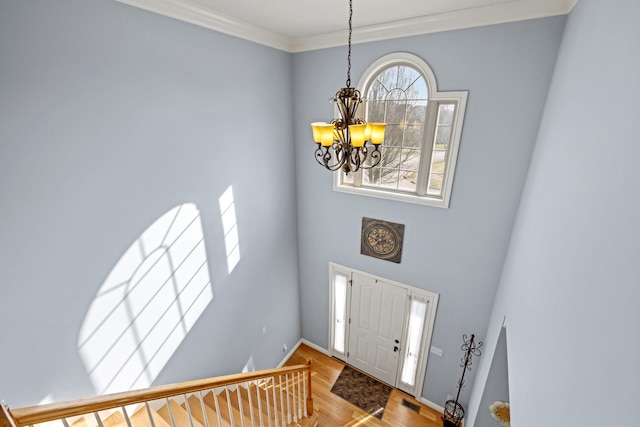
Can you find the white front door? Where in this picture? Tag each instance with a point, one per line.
(377, 318)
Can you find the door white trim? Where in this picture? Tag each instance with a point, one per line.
(427, 332)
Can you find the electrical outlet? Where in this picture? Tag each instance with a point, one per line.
(449, 397)
(285, 348)
(437, 351)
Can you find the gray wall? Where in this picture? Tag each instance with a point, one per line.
(109, 117)
(456, 252)
(570, 288)
(497, 387)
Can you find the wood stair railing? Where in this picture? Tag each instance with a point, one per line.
(270, 398)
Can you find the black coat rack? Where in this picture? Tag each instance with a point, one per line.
(453, 410)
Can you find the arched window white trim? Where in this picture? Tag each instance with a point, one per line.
(431, 179)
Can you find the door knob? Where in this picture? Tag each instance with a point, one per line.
(397, 342)
(395, 348)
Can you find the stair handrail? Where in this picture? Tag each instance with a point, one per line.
(32, 415)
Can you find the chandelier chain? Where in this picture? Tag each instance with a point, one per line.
(349, 54)
(342, 144)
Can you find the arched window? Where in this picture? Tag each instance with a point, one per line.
(422, 137)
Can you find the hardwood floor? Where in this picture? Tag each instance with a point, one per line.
(336, 412)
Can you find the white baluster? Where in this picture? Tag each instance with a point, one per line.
(281, 401)
(98, 420)
(259, 403)
(240, 405)
(188, 408)
(286, 379)
(215, 400)
(253, 424)
(304, 391)
(173, 420)
(226, 390)
(266, 392)
(275, 402)
(151, 421)
(204, 411)
(126, 417)
(293, 397)
(299, 397)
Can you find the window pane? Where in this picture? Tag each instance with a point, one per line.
(416, 111)
(406, 77)
(445, 114)
(391, 157)
(377, 91)
(371, 177)
(389, 178)
(418, 89)
(396, 112)
(340, 310)
(393, 136)
(410, 160)
(414, 340)
(440, 147)
(389, 77)
(435, 184)
(375, 111)
(408, 181)
(397, 95)
(413, 136)
(443, 135)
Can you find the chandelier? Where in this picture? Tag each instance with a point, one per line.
(342, 144)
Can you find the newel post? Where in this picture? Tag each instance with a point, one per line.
(6, 419)
(309, 398)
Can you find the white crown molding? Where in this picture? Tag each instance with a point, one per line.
(466, 18)
(499, 13)
(197, 15)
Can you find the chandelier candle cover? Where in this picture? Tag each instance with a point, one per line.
(342, 144)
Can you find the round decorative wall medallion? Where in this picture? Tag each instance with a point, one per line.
(382, 239)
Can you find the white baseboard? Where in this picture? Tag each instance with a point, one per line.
(295, 347)
(432, 405)
(315, 347)
(288, 356)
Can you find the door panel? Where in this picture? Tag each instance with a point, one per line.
(377, 318)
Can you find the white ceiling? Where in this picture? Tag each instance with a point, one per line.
(299, 25)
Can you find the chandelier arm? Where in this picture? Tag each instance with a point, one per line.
(324, 158)
(357, 156)
(376, 156)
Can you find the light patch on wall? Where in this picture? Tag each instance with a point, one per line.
(151, 299)
(47, 399)
(230, 228)
(250, 366)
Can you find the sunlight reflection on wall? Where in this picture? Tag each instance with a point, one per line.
(149, 302)
(230, 228)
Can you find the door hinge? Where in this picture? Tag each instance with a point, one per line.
(349, 320)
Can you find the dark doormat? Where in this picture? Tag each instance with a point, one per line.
(361, 390)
